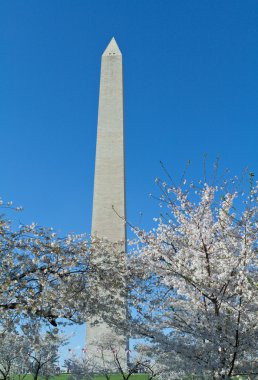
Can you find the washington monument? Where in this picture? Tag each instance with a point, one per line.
(109, 180)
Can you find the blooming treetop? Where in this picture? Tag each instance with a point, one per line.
(47, 277)
(33, 352)
(195, 282)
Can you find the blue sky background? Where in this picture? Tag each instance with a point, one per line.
(191, 89)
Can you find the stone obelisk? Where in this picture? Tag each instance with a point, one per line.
(109, 181)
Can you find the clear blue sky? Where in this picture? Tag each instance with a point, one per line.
(191, 88)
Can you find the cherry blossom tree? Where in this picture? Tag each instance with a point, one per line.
(46, 277)
(110, 361)
(12, 351)
(34, 352)
(80, 367)
(42, 357)
(194, 282)
(191, 283)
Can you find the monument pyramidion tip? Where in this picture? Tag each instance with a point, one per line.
(112, 48)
